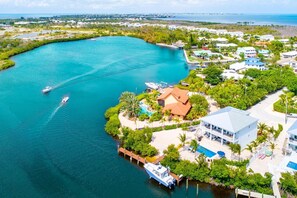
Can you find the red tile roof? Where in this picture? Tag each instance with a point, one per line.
(182, 106)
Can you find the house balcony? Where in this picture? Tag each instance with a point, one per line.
(293, 141)
(218, 133)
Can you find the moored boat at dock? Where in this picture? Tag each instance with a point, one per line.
(160, 174)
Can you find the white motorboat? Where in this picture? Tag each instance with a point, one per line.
(65, 100)
(152, 85)
(47, 89)
(160, 174)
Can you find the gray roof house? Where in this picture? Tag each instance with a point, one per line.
(230, 125)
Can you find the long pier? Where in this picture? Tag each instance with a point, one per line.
(132, 156)
(249, 194)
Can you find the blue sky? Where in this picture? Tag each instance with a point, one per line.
(148, 6)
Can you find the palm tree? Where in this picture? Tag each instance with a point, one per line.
(235, 148)
(194, 144)
(271, 131)
(272, 147)
(250, 148)
(262, 127)
(182, 138)
(130, 103)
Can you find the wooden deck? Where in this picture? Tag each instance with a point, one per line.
(132, 156)
(142, 160)
(251, 194)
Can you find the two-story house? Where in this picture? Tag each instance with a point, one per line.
(292, 137)
(230, 125)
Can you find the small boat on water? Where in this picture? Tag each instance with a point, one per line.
(47, 89)
(65, 100)
(152, 85)
(160, 174)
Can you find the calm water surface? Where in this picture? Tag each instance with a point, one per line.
(48, 150)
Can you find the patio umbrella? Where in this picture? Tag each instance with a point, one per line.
(221, 154)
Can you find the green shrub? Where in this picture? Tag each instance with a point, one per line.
(169, 127)
(156, 117)
(143, 117)
(112, 126)
(112, 111)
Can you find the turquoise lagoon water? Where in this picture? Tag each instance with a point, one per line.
(48, 150)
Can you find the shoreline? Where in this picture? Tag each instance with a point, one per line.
(36, 45)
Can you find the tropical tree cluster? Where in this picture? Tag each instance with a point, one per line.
(138, 141)
(246, 92)
(212, 74)
(130, 104)
(286, 104)
(288, 183)
(199, 107)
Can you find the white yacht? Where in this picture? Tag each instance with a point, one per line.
(65, 100)
(47, 89)
(152, 85)
(160, 174)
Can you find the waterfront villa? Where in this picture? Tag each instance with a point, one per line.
(176, 101)
(247, 51)
(249, 63)
(292, 137)
(230, 125)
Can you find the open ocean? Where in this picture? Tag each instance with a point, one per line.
(256, 19)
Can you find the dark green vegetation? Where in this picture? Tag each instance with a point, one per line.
(138, 141)
(288, 100)
(289, 184)
(199, 107)
(223, 172)
(249, 91)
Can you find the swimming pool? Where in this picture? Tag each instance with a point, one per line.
(144, 109)
(208, 153)
(292, 165)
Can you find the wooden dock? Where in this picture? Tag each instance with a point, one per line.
(249, 194)
(132, 156)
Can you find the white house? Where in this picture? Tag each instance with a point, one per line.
(236, 34)
(249, 63)
(284, 41)
(220, 40)
(231, 74)
(292, 137)
(291, 54)
(247, 51)
(267, 37)
(288, 61)
(228, 45)
(230, 125)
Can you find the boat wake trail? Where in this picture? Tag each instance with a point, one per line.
(96, 70)
(53, 114)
